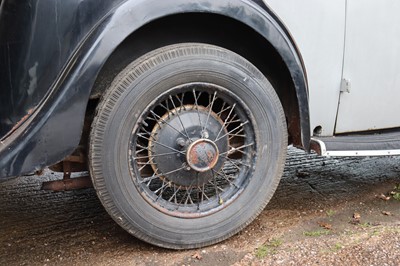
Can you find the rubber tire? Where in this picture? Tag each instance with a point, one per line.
(117, 113)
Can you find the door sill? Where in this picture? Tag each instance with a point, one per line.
(383, 144)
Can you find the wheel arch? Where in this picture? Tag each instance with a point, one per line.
(70, 93)
(190, 21)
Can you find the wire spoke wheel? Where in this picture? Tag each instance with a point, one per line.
(187, 146)
(193, 150)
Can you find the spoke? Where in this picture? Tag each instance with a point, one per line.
(174, 195)
(241, 125)
(159, 143)
(215, 185)
(223, 126)
(209, 111)
(233, 121)
(166, 103)
(189, 198)
(220, 200)
(233, 149)
(197, 106)
(166, 108)
(144, 123)
(236, 135)
(168, 124)
(224, 176)
(139, 151)
(148, 179)
(181, 101)
(234, 163)
(231, 152)
(223, 109)
(179, 117)
(149, 162)
(204, 194)
(156, 155)
(154, 176)
(187, 192)
(142, 147)
(161, 189)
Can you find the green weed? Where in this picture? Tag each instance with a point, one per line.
(268, 248)
(317, 233)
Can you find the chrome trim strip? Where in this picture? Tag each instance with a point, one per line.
(362, 153)
(326, 153)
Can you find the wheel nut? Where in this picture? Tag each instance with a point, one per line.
(181, 142)
(205, 135)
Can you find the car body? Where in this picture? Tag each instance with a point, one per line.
(334, 66)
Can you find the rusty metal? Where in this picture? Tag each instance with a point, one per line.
(68, 166)
(315, 147)
(77, 162)
(202, 155)
(68, 184)
(19, 123)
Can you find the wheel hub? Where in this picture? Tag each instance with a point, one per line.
(202, 155)
(192, 131)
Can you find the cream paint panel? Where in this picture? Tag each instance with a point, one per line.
(317, 27)
(372, 64)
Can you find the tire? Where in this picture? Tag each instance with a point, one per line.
(188, 145)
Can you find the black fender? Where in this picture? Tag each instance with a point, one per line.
(54, 129)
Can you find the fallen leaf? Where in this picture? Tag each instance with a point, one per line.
(325, 225)
(356, 216)
(386, 213)
(383, 197)
(354, 221)
(197, 256)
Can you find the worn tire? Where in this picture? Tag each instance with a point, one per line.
(115, 137)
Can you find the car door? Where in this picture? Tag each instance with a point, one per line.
(370, 91)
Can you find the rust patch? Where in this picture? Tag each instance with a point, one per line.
(68, 184)
(20, 122)
(315, 147)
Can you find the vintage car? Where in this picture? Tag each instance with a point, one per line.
(182, 110)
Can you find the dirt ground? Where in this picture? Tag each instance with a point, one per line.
(326, 211)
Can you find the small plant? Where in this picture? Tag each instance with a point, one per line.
(317, 233)
(262, 252)
(365, 224)
(337, 247)
(375, 233)
(268, 248)
(275, 243)
(330, 213)
(396, 192)
(396, 196)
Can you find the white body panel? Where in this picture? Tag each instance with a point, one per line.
(364, 49)
(372, 64)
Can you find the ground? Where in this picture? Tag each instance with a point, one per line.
(326, 211)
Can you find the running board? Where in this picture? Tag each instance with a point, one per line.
(358, 145)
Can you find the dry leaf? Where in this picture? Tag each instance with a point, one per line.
(386, 213)
(356, 216)
(325, 225)
(383, 197)
(354, 221)
(197, 256)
